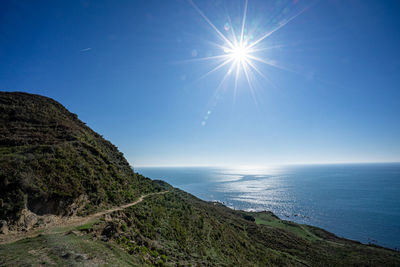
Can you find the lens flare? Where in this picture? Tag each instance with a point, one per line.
(240, 48)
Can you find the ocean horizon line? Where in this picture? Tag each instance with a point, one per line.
(262, 166)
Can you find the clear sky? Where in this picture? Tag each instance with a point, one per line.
(327, 90)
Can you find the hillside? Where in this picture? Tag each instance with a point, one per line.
(51, 162)
(102, 213)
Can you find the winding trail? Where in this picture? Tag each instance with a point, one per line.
(67, 222)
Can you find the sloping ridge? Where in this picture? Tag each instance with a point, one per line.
(52, 163)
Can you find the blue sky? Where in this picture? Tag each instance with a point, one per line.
(131, 71)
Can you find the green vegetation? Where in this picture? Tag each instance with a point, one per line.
(51, 162)
(301, 230)
(49, 159)
(64, 249)
(86, 226)
(190, 231)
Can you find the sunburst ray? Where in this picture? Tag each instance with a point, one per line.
(242, 53)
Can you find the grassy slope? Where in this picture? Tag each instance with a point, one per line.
(64, 249)
(48, 158)
(189, 230)
(178, 229)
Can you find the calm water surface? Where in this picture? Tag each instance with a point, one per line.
(356, 201)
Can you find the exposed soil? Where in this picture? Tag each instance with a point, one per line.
(53, 221)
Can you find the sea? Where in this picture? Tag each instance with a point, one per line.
(356, 201)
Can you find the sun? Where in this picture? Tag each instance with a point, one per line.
(240, 48)
(239, 53)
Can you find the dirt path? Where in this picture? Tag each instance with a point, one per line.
(67, 222)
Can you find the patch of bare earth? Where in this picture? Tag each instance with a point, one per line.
(42, 224)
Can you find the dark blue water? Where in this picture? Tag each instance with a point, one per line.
(355, 201)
